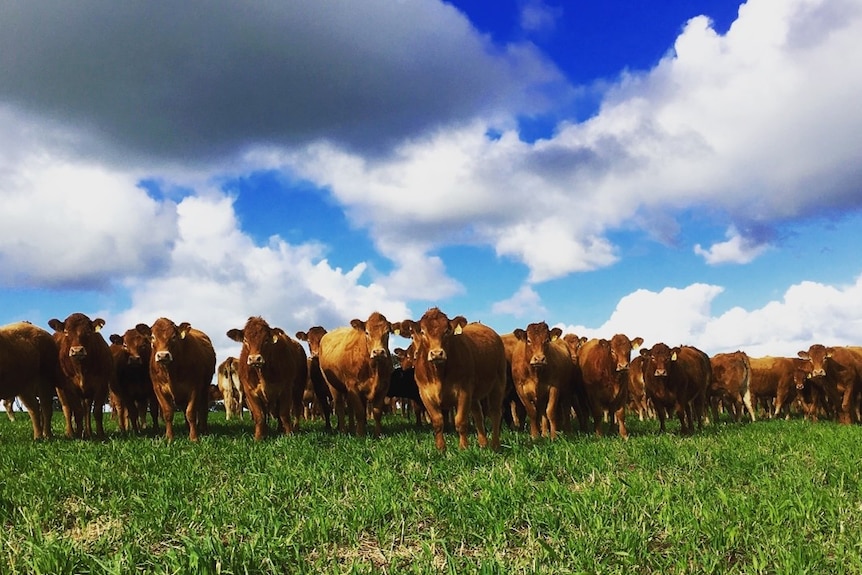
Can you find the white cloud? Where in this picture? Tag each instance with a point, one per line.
(523, 303)
(736, 250)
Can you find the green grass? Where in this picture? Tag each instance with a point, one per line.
(767, 497)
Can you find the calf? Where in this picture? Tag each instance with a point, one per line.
(273, 371)
(604, 368)
(132, 391)
(30, 369)
(182, 365)
(542, 375)
(231, 387)
(677, 379)
(356, 364)
(88, 368)
(841, 371)
(460, 366)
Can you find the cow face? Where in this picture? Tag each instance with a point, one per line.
(165, 336)
(802, 373)
(574, 343)
(78, 333)
(621, 349)
(137, 346)
(376, 329)
(434, 331)
(312, 338)
(817, 354)
(658, 359)
(538, 338)
(257, 339)
(406, 357)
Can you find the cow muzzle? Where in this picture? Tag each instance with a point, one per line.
(437, 355)
(538, 361)
(622, 367)
(378, 353)
(77, 351)
(821, 372)
(660, 373)
(164, 357)
(256, 360)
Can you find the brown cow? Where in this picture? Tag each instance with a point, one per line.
(579, 401)
(604, 367)
(227, 375)
(88, 368)
(356, 364)
(542, 374)
(182, 365)
(637, 393)
(132, 392)
(731, 376)
(30, 370)
(273, 370)
(838, 370)
(772, 381)
(322, 396)
(459, 366)
(677, 379)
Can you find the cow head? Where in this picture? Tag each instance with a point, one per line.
(537, 337)
(136, 345)
(574, 343)
(376, 329)
(165, 336)
(657, 360)
(802, 373)
(431, 334)
(621, 349)
(77, 332)
(406, 357)
(312, 337)
(817, 354)
(257, 338)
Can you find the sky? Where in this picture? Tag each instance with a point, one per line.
(688, 171)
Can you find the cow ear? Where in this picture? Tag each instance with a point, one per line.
(235, 334)
(457, 324)
(637, 342)
(98, 324)
(520, 334)
(56, 324)
(358, 324)
(275, 337)
(184, 328)
(301, 336)
(644, 352)
(116, 339)
(804, 355)
(143, 329)
(556, 334)
(673, 356)
(396, 328)
(830, 351)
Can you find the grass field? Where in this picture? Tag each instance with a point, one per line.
(767, 497)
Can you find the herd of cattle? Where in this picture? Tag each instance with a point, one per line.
(452, 370)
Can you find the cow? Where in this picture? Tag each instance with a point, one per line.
(273, 370)
(542, 373)
(838, 370)
(731, 377)
(677, 379)
(772, 381)
(231, 387)
(88, 368)
(357, 366)
(30, 370)
(811, 393)
(459, 366)
(132, 392)
(322, 395)
(580, 403)
(182, 365)
(604, 368)
(637, 394)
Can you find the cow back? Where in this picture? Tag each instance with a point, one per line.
(489, 360)
(29, 361)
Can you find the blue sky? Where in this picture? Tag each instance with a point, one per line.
(685, 171)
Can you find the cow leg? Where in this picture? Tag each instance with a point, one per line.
(377, 413)
(167, 409)
(358, 407)
(32, 404)
(534, 416)
(479, 422)
(284, 414)
(462, 419)
(683, 420)
(437, 423)
(7, 405)
(552, 411)
(192, 414)
(621, 422)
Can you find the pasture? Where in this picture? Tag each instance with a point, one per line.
(764, 497)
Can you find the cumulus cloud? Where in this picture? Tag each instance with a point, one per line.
(736, 250)
(523, 303)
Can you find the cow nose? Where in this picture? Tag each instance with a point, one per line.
(135, 360)
(437, 355)
(255, 360)
(660, 372)
(77, 351)
(538, 360)
(163, 357)
(377, 353)
(820, 372)
(622, 366)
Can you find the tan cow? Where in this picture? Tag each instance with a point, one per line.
(356, 364)
(677, 379)
(273, 370)
(88, 368)
(604, 367)
(459, 366)
(542, 375)
(838, 370)
(731, 377)
(182, 365)
(30, 369)
(227, 375)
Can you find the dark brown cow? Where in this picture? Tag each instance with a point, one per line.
(677, 379)
(604, 367)
(838, 370)
(88, 368)
(322, 395)
(731, 377)
(182, 365)
(273, 371)
(227, 375)
(132, 391)
(772, 382)
(542, 374)
(356, 363)
(459, 366)
(580, 402)
(30, 370)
